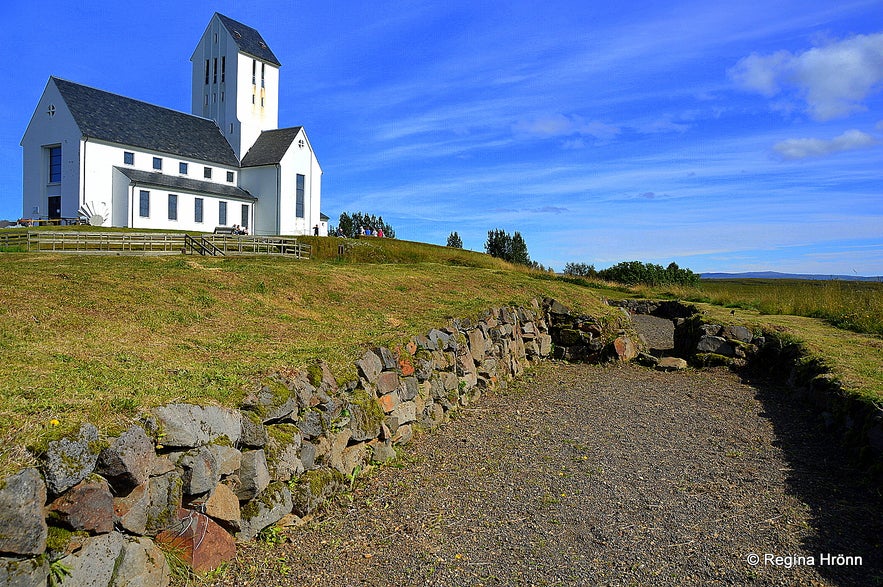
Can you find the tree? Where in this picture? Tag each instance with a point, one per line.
(635, 272)
(350, 224)
(518, 253)
(454, 241)
(580, 270)
(508, 247)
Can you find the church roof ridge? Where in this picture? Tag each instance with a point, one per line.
(248, 39)
(117, 119)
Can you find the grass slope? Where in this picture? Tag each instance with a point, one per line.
(100, 338)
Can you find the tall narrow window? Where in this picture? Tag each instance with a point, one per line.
(197, 210)
(223, 68)
(222, 213)
(245, 216)
(254, 70)
(173, 207)
(206, 72)
(144, 204)
(54, 164)
(263, 68)
(215, 77)
(299, 202)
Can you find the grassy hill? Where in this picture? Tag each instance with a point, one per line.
(99, 339)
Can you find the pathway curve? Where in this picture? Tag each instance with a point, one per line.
(598, 475)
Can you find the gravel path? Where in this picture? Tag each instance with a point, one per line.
(597, 475)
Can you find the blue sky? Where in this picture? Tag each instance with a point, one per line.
(733, 136)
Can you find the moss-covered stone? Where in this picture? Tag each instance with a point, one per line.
(366, 415)
(314, 488)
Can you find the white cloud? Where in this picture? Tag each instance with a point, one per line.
(559, 125)
(803, 148)
(833, 79)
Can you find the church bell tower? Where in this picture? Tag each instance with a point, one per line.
(235, 82)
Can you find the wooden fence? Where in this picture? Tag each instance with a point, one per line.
(151, 243)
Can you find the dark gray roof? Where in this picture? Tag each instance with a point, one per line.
(174, 182)
(249, 40)
(125, 121)
(270, 147)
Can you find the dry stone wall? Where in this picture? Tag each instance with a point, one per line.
(195, 479)
(198, 478)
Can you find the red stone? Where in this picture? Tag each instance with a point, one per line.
(203, 544)
(86, 506)
(406, 367)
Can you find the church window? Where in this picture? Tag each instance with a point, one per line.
(157, 163)
(215, 78)
(222, 213)
(206, 99)
(173, 207)
(182, 168)
(299, 201)
(222, 96)
(231, 128)
(54, 164)
(230, 177)
(207, 172)
(128, 158)
(144, 204)
(206, 72)
(216, 38)
(254, 70)
(223, 67)
(263, 68)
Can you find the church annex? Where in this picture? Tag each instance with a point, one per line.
(144, 166)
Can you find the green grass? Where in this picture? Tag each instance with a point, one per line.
(102, 338)
(852, 305)
(839, 323)
(99, 339)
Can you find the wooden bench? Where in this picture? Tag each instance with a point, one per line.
(224, 230)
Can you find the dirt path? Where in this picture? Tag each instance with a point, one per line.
(588, 475)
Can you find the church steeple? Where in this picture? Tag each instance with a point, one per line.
(236, 82)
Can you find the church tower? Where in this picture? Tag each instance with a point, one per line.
(236, 82)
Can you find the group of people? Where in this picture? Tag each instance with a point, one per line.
(363, 231)
(378, 232)
(239, 230)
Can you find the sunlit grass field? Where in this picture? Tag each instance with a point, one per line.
(102, 338)
(851, 305)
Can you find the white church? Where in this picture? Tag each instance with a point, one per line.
(138, 165)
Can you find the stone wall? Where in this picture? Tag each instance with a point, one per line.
(768, 356)
(196, 479)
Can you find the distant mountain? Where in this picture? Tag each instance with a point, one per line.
(777, 275)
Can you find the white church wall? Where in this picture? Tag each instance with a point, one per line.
(300, 160)
(43, 131)
(262, 182)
